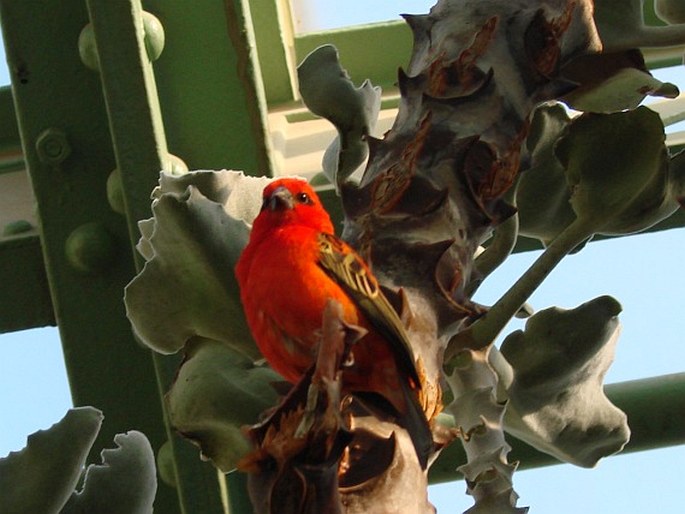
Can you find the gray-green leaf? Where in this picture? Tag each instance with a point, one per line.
(216, 392)
(556, 398)
(125, 482)
(328, 92)
(41, 477)
(187, 287)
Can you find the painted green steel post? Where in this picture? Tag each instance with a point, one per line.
(139, 141)
(210, 86)
(67, 147)
(656, 410)
(274, 31)
(24, 296)
(128, 84)
(126, 41)
(656, 415)
(24, 302)
(238, 498)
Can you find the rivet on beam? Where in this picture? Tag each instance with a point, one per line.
(115, 195)
(154, 36)
(87, 49)
(91, 248)
(174, 164)
(154, 41)
(52, 146)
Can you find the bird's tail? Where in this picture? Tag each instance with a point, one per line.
(409, 415)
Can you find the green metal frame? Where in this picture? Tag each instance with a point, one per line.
(652, 424)
(76, 127)
(205, 100)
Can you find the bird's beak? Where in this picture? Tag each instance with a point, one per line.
(281, 199)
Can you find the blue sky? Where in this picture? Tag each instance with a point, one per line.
(643, 272)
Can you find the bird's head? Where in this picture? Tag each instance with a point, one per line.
(290, 201)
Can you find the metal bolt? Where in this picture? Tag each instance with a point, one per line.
(91, 248)
(174, 164)
(154, 36)
(52, 146)
(115, 194)
(86, 48)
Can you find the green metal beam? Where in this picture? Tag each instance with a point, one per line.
(125, 46)
(656, 415)
(141, 150)
(274, 34)
(9, 132)
(24, 296)
(64, 130)
(209, 86)
(11, 157)
(218, 122)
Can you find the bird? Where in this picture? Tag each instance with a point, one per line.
(291, 267)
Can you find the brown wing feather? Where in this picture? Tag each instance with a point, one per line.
(347, 268)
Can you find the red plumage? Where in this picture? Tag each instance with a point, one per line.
(292, 266)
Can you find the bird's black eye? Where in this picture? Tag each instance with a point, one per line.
(303, 198)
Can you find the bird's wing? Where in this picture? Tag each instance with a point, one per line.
(348, 269)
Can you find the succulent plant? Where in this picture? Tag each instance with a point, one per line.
(480, 145)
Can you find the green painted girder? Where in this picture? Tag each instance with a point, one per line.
(274, 34)
(10, 143)
(221, 124)
(67, 147)
(140, 151)
(655, 408)
(24, 297)
(211, 120)
(226, 121)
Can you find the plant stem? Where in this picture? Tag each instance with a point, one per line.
(500, 247)
(496, 253)
(486, 329)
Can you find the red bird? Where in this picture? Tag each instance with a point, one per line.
(291, 267)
